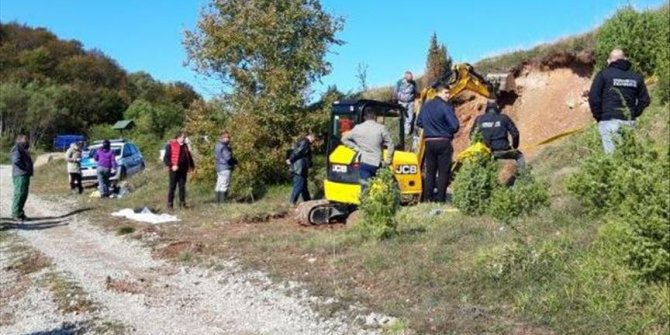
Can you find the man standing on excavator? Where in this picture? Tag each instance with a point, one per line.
(405, 93)
(495, 128)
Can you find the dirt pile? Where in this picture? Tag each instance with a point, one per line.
(551, 99)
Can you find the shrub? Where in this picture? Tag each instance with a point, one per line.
(643, 35)
(379, 204)
(102, 132)
(632, 188)
(522, 199)
(474, 184)
(593, 184)
(663, 74)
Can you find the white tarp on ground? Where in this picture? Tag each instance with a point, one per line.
(146, 215)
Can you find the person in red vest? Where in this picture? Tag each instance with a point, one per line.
(179, 161)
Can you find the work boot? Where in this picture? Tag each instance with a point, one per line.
(183, 205)
(170, 206)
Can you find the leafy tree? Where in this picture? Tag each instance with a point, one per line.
(13, 106)
(142, 85)
(264, 46)
(438, 61)
(155, 119)
(181, 93)
(266, 53)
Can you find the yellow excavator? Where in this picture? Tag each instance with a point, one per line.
(342, 185)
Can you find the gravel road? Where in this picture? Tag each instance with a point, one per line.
(146, 295)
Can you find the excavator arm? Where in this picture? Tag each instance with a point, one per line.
(464, 77)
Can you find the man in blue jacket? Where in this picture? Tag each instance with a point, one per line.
(224, 162)
(438, 120)
(617, 97)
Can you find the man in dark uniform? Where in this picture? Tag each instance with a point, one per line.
(617, 97)
(495, 129)
(440, 124)
(300, 160)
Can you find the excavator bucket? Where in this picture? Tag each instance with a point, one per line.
(501, 82)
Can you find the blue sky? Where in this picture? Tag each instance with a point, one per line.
(389, 36)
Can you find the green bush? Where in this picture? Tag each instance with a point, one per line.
(632, 188)
(642, 35)
(522, 199)
(593, 185)
(662, 69)
(474, 184)
(101, 132)
(379, 204)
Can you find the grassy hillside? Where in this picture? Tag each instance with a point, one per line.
(509, 61)
(565, 269)
(445, 273)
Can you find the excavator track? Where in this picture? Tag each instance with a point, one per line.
(318, 212)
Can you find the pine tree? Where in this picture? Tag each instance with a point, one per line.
(438, 61)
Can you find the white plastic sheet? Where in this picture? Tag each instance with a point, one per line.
(146, 215)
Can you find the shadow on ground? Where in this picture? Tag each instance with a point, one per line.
(39, 223)
(67, 328)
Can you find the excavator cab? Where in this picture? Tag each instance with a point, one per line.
(348, 113)
(342, 186)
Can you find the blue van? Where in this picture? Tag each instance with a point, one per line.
(62, 142)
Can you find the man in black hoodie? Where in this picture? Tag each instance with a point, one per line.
(495, 129)
(22, 170)
(300, 160)
(617, 97)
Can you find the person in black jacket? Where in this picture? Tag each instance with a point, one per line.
(22, 170)
(495, 129)
(439, 123)
(300, 160)
(617, 97)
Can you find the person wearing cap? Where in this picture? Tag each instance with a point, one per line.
(369, 139)
(405, 93)
(73, 159)
(105, 167)
(495, 129)
(438, 120)
(299, 161)
(617, 97)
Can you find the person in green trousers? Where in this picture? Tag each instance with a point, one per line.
(22, 170)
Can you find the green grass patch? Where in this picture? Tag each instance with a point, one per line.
(125, 230)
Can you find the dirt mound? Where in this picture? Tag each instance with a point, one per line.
(551, 98)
